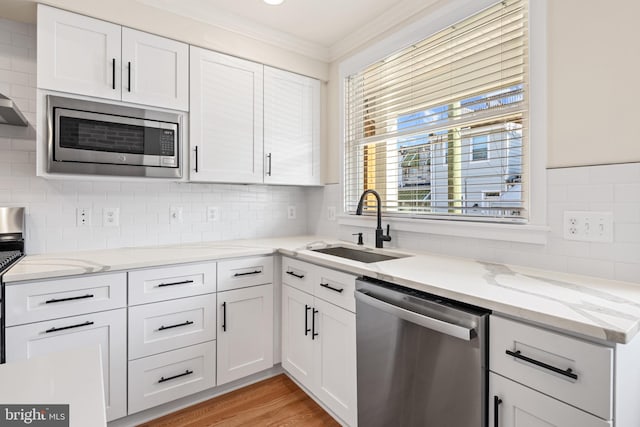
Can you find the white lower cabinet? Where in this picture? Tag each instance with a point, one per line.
(168, 376)
(515, 405)
(318, 350)
(107, 328)
(245, 332)
(297, 343)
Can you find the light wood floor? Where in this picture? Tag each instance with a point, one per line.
(274, 402)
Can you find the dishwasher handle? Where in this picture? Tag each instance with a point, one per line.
(437, 325)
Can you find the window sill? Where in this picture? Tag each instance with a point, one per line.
(520, 233)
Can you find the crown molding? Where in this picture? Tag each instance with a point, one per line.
(400, 13)
(200, 11)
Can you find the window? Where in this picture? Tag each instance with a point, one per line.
(439, 128)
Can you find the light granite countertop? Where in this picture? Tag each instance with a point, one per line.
(597, 308)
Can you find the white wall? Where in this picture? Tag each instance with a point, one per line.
(245, 211)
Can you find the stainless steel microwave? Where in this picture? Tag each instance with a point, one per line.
(95, 138)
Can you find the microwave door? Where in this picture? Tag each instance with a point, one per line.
(88, 137)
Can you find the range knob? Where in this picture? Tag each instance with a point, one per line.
(123, 158)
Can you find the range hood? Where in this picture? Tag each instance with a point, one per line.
(10, 114)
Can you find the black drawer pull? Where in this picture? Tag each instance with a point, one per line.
(128, 76)
(54, 300)
(566, 372)
(496, 406)
(187, 323)
(113, 72)
(328, 286)
(299, 276)
(184, 282)
(79, 325)
(248, 273)
(185, 373)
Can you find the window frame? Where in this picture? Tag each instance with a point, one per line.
(536, 229)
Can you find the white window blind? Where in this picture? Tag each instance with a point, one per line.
(439, 128)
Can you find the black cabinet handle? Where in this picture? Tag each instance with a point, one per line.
(185, 373)
(496, 406)
(306, 320)
(129, 76)
(113, 71)
(299, 276)
(79, 325)
(314, 334)
(196, 150)
(184, 282)
(566, 372)
(328, 286)
(224, 316)
(187, 323)
(54, 300)
(248, 273)
(269, 163)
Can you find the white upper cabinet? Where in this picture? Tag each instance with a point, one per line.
(251, 123)
(155, 70)
(78, 54)
(291, 128)
(225, 118)
(87, 56)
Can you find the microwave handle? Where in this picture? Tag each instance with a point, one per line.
(196, 159)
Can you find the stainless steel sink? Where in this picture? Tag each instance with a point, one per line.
(362, 255)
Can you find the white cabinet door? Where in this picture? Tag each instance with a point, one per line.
(225, 118)
(155, 70)
(107, 328)
(520, 406)
(291, 128)
(78, 54)
(297, 345)
(335, 359)
(245, 332)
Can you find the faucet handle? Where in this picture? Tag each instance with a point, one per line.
(387, 237)
(360, 242)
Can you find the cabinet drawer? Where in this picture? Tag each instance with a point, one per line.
(161, 284)
(51, 299)
(240, 273)
(164, 326)
(158, 379)
(591, 363)
(336, 287)
(298, 274)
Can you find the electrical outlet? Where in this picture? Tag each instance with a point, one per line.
(291, 212)
(175, 215)
(83, 217)
(331, 213)
(213, 214)
(111, 217)
(588, 226)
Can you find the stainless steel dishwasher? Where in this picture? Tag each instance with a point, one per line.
(422, 360)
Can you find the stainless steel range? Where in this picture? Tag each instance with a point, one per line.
(11, 250)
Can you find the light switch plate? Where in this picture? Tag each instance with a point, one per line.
(588, 226)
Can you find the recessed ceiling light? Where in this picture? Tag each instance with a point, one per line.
(273, 2)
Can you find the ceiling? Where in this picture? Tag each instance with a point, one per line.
(324, 29)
